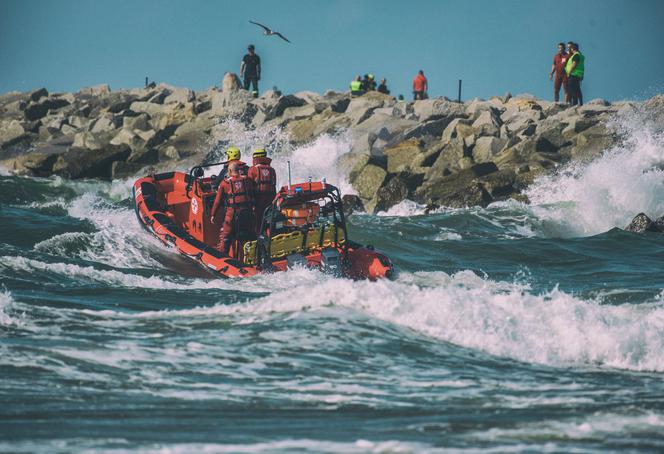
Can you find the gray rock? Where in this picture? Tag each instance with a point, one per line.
(37, 110)
(433, 128)
(433, 109)
(97, 90)
(487, 123)
(393, 192)
(458, 128)
(36, 95)
(487, 147)
(642, 223)
(11, 133)
(403, 156)
(181, 95)
(351, 204)
(105, 123)
(369, 180)
(38, 164)
(79, 163)
(139, 122)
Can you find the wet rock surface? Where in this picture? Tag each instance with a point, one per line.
(436, 152)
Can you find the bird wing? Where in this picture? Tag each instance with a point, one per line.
(282, 36)
(261, 25)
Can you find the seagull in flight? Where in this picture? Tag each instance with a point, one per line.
(269, 32)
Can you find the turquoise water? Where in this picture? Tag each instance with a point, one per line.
(511, 328)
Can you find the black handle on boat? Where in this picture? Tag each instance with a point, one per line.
(193, 174)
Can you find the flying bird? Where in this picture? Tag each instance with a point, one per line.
(269, 32)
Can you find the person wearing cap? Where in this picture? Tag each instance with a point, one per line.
(265, 182)
(250, 70)
(236, 195)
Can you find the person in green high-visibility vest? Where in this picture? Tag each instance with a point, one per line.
(356, 88)
(575, 70)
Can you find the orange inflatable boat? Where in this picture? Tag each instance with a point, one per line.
(304, 226)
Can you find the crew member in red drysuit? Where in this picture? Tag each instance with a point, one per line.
(236, 193)
(265, 183)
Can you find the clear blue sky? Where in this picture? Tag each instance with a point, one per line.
(494, 46)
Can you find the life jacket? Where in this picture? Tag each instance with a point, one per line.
(241, 192)
(264, 176)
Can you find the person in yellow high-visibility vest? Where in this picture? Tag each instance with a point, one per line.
(356, 88)
(575, 69)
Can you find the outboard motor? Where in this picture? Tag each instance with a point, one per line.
(330, 261)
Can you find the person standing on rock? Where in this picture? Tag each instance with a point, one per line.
(574, 68)
(382, 88)
(250, 70)
(558, 68)
(420, 86)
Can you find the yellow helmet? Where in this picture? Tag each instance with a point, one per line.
(233, 153)
(260, 153)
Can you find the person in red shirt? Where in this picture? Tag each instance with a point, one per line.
(265, 183)
(236, 192)
(420, 86)
(558, 68)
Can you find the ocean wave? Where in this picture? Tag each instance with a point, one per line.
(585, 199)
(121, 445)
(500, 318)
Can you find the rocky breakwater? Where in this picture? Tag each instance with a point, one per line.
(435, 152)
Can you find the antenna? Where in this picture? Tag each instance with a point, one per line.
(289, 176)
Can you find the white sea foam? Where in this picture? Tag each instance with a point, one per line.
(504, 319)
(318, 159)
(120, 446)
(589, 198)
(595, 427)
(405, 208)
(6, 302)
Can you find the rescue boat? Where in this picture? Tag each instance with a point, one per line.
(304, 226)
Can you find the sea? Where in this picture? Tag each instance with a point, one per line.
(513, 328)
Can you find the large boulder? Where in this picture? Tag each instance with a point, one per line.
(37, 110)
(180, 95)
(105, 123)
(11, 133)
(486, 148)
(361, 108)
(37, 163)
(230, 82)
(97, 90)
(390, 194)
(369, 180)
(139, 122)
(487, 123)
(434, 109)
(402, 156)
(458, 128)
(457, 190)
(81, 163)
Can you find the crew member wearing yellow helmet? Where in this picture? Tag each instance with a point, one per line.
(265, 182)
(233, 154)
